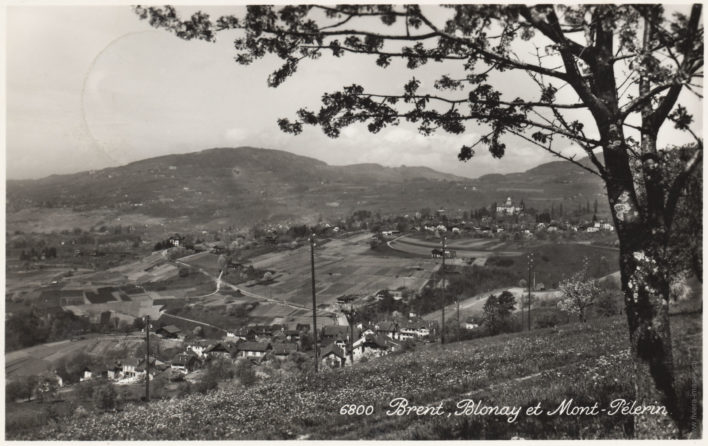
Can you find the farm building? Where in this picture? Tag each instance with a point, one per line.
(333, 356)
(184, 362)
(218, 350)
(250, 349)
(169, 331)
(282, 350)
(387, 328)
(471, 323)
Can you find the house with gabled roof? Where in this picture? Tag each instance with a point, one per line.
(372, 346)
(251, 349)
(219, 350)
(129, 367)
(282, 350)
(333, 356)
(169, 331)
(413, 330)
(387, 328)
(184, 362)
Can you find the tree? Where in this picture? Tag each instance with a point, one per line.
(578, 293)
(497, 309)
(606, 78)
(105, 397)
(491, 315)
(46, 387)
(606, 304)
(20, 388)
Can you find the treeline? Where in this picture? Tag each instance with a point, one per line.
(27, 328)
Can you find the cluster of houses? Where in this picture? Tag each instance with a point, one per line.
(339, 346)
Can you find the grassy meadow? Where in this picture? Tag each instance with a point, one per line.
(587, 362)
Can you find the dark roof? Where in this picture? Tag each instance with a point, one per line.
(181, 359)
(375, 341)
(334, 330)
(130, 361)
(218, 347)
(387, 326)
(415, 325)
(332, 349)
(254, 346)
(284, 348)
(170, 329)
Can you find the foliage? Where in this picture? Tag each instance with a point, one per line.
(105, 397)
(497, 310)
(511, 369)
(594, 50)
(579, 293)
(245, 373)
(608, 302)
(36, 326)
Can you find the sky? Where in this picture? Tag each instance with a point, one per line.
(89, 87)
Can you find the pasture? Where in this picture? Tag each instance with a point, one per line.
(41, 358)
(342, 266)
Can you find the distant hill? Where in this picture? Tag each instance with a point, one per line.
(245, 185)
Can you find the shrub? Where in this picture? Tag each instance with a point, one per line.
(207, 383)
(105, 397)
(546, 320)
(245, 373)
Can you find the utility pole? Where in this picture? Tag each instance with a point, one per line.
(314, 299)
(442, 294)
(529, 288)
(459, 328)
(350, 314)
(147, 358)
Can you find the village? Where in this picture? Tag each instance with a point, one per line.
(356, 323)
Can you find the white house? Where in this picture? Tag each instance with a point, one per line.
(471, 324)
(86, 375)
(413, 330)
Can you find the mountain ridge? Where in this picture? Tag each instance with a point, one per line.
(247, 185)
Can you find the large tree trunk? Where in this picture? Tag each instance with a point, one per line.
(646, 291)
(645, 284)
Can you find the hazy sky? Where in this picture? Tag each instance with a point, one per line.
(93, 86)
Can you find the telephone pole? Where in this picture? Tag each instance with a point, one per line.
(314, 299)
(530, 257)
(442, 294)
(350, 314)
(147, 358)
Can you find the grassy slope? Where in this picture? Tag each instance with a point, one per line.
(587, 362)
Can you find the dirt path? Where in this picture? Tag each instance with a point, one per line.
(193, 321)
(254, 295)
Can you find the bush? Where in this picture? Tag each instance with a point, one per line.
(105, 397)
(80, 412)
(245, 373)
(546, 320)
(15, 390)
(207, 383)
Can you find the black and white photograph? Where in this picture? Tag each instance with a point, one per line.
(399, 222)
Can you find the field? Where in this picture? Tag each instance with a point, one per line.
(466, 247)
(553, 262)
(41, 358)
(524, 369)
(343, 266)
